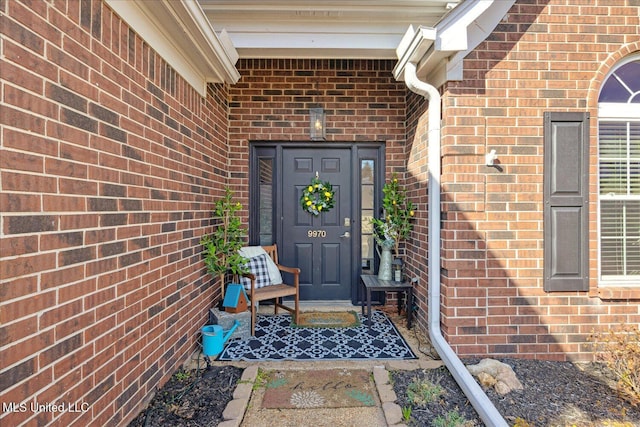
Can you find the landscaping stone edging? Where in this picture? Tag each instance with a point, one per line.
(235, 409)
(392, 411)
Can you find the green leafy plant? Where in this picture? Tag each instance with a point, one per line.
(420, 392)
(619, 350)
(398, 215)
(406, 413)
(221, 247)
(451, 419)
(182, 375)
(269, 379)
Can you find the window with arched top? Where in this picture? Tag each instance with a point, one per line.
(619, 175)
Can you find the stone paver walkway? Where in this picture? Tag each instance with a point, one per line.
(245, 408)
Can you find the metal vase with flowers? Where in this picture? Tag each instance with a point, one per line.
(394, 227)
(384, 272)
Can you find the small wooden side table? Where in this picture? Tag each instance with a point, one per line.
(372, 283)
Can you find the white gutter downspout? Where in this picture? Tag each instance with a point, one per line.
(485, 408)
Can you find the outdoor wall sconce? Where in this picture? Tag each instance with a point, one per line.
(317, 124)
(490, 158)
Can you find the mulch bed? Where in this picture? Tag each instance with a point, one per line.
(191, 398)
(555, 394)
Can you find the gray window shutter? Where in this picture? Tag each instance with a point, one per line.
(566, 201)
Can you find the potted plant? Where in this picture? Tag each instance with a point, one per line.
(221, 247)
(396, 225)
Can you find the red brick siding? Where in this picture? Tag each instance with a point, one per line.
(543, 56)
(416, 184)
(362, 102)
(271, 102)
(110, 161)
(109, 165)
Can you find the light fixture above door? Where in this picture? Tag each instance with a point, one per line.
(317, 124)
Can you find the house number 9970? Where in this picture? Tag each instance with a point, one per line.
(317, 233)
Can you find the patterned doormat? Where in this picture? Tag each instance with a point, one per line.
(275, 340)
(327, 319)
(332, 388)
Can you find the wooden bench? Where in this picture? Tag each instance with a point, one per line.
(275, 292)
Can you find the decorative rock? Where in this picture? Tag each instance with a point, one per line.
(503, 388)
(486, 380)
(500, 374)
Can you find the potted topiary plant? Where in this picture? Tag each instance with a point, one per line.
(221, 247)
(396, 225)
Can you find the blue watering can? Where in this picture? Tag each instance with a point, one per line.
(213, 338)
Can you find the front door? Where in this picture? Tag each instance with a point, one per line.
(320, 245)
(333, 248)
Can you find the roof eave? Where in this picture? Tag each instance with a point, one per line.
(182, 35)
(438, 53)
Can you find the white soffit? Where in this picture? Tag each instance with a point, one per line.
(439, 52)
(181, 34)
(334, 29)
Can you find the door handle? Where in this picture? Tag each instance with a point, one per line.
(346, 234)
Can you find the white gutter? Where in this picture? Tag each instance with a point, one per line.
(483, 406)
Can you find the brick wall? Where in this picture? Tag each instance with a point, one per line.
(109, 164)
(416, 182)
(544, 56)
(361, 99)
(271, 102)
